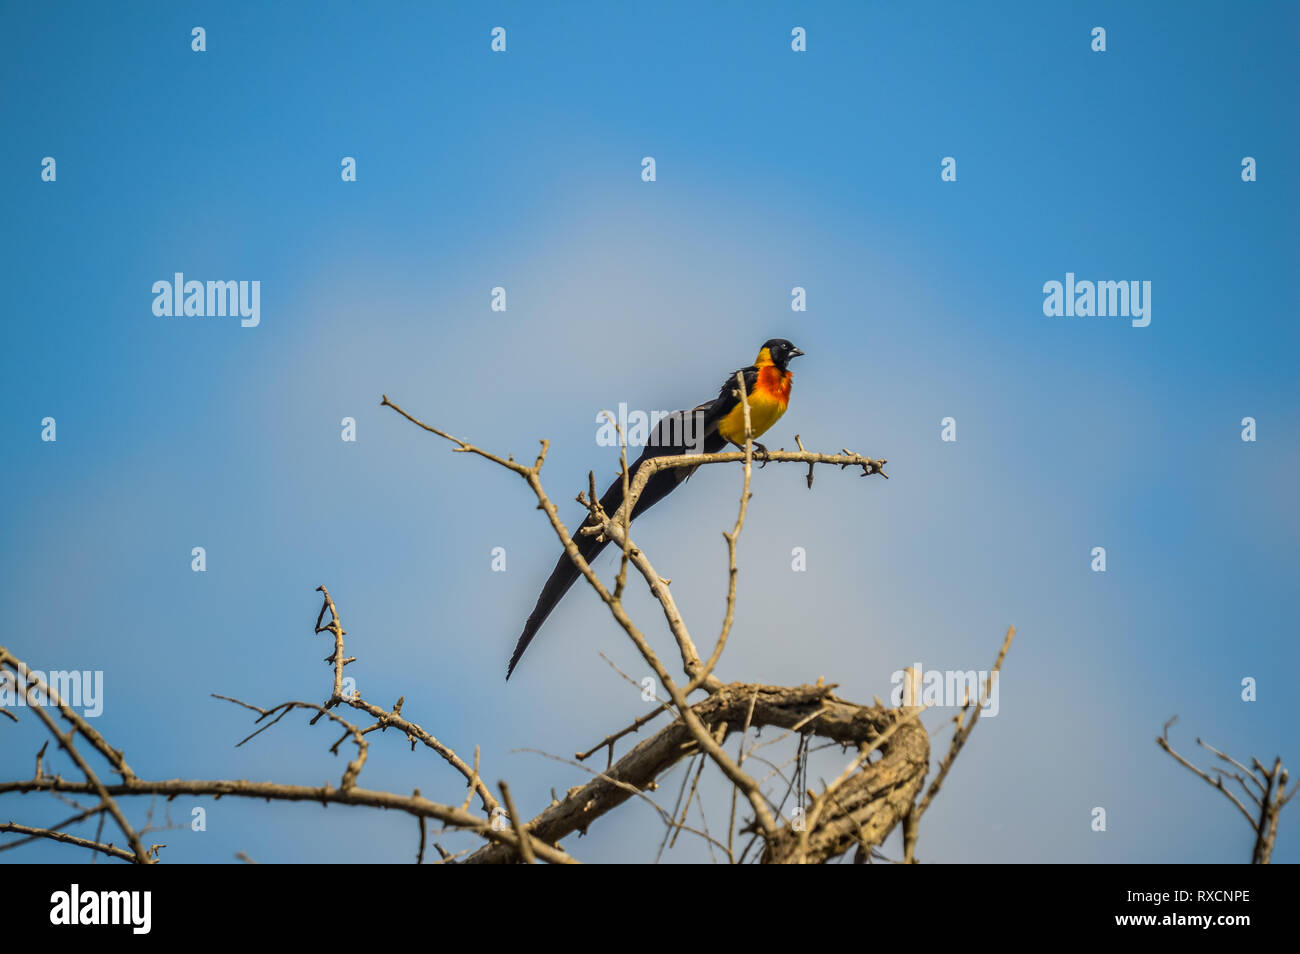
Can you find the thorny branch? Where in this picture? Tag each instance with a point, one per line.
(875, 792)
(636, 771)
(348, 791)
(964, 729)
(1266, 787)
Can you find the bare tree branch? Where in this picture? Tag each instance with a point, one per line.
(861, 806)
(67, 840)
(964, 729)
(1270, 782)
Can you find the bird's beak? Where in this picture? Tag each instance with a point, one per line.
(795, 353)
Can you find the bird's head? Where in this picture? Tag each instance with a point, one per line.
(777, 351)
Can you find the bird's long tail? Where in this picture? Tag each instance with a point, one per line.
(565, 573)
(562, 577)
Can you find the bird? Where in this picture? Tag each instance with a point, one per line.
(706, 428)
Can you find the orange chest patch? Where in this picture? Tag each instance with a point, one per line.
(773, 384)
(770, 397)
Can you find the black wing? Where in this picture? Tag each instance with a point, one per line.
(727, 400)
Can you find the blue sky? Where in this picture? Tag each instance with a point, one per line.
(774, 169)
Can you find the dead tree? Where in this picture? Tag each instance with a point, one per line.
(1266, 787)
(881, 787)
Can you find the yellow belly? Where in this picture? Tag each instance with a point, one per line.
(764, 411)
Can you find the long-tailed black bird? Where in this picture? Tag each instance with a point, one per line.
(707, 429)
